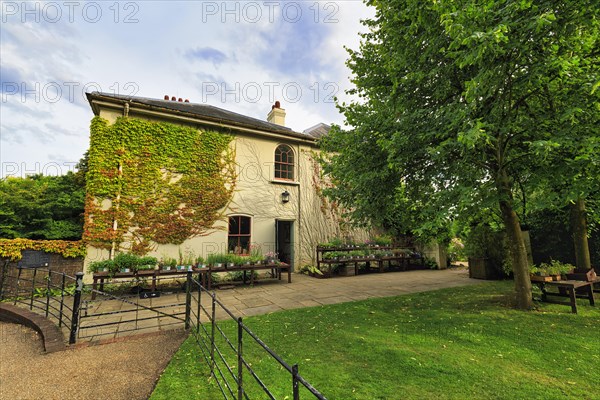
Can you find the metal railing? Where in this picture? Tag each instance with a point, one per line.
(111, 311)
(230, 379)
(55, 295)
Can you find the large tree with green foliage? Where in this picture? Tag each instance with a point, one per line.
(42, 207)
(450, 111)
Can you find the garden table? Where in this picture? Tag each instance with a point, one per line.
(567, 289)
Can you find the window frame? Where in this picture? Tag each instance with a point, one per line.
(289, 167)
(238, 235)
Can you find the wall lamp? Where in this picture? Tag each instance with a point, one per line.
(285, 197)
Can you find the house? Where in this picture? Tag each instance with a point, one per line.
(264, 187)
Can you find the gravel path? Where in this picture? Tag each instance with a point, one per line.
(121, 370)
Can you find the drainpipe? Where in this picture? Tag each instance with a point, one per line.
(299, 203)
(126, 109)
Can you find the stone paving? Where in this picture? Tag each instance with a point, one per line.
(272, 295)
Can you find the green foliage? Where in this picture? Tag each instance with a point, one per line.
(166, 181)
(12, 248)
(383, 240)
(455, 102)
(553, 268)
(310, 269)
(100, 266)
(124, 261)
(552, 237)
(42, 207)
(220, 258)
(456, 250)
(485, 242)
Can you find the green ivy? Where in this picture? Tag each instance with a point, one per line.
(164, 183)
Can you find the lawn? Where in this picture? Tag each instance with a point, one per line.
(449, 344)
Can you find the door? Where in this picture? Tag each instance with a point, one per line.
(284, 244)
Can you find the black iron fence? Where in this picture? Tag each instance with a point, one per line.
(223, 339)
(55, 295)
(225, 348)
(129, 304)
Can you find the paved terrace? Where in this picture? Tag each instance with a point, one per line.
(272, 295)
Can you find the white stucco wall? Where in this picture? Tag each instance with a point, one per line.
(258, 195)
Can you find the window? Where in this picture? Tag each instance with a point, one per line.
(239, 235)
(284, 162)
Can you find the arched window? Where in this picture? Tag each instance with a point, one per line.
(238, 240)
(284, 162)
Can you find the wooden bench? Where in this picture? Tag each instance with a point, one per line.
(569, 289)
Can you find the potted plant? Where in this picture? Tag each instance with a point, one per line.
(552, 271)
(311, 270)
(270, 257)
(101, 266)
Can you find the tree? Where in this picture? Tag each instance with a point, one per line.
(449, 104)
(41, 207)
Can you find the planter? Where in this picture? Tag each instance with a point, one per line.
(539, 278)
(347, 270)
(482, 268)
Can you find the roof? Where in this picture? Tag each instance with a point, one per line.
(197, 111)
(317, 131)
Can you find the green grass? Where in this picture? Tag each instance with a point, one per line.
(449, 344)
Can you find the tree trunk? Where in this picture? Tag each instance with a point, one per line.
(580, 239)
(516, 244)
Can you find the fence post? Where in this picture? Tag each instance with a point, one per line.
(188, 299)
(62, 299)
(76, 303)
(240, 359)
(18, 285)
(199, 305)
(295, 387)
(48, 286)
(212, 335)
(32, 288)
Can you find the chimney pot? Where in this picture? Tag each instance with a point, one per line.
(180, 99)
(166, 97)
(277, 104)
(173, 98)
(186, 100)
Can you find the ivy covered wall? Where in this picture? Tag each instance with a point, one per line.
(154, 183)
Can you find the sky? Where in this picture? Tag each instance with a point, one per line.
(238, 55)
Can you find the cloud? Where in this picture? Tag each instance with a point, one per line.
(170, 49)
(206, 54)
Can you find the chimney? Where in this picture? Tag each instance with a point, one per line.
(277, 114)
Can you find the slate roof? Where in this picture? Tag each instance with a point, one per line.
(200, 111)
(317, 131)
